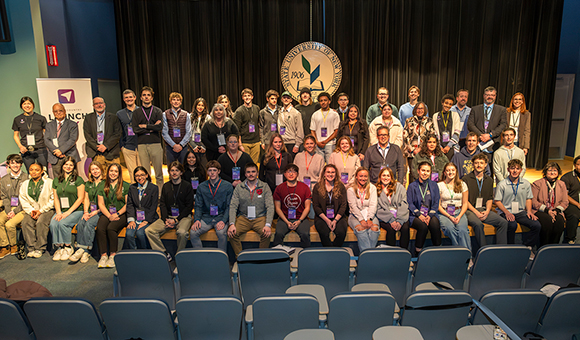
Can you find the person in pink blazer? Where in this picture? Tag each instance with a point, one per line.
(549, 202)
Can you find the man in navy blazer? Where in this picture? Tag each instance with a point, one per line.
(488, 120)
(60, 136)
(102, 133)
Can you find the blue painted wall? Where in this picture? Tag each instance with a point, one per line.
(84, 33)
(569, 62)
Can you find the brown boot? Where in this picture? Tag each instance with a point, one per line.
(3, 252)
(13, 250)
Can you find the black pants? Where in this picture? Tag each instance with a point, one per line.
(324, 232)
(109, 231)
(551, 230)
(303, 231)
(572, 218)
(422, 230)
(40, 155)
(392, 234)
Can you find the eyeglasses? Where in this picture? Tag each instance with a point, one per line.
(383, 135)
(233, 142)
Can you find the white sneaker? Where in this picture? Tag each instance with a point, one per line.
(57, 254)
(103, 261)
(37, 254)
(31, 253)
(111, 262)
(77, 255)
(66, 253)
(85, 257)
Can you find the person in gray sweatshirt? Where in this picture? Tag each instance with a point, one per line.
(463, 158)
(251, 208)
(393, 208)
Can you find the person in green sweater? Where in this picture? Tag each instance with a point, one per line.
(430, 152)
(69, 193)
(247, 118)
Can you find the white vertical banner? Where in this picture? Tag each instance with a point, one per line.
(76, 96)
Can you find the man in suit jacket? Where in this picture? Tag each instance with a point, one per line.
(102, 133)
(60, 137)
(488, 120)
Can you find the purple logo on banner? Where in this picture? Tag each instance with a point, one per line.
(66, 96)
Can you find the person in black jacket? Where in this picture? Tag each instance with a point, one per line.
(233, 162)
(175, 206)
(357, 129)
(274, 162)
(330, 206)
(102, 132)
(195, 172)
(142, 201)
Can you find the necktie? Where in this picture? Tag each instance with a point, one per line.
(141, 190)
(487, 112)
(58, 129)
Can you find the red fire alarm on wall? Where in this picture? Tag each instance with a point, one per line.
(51, 55)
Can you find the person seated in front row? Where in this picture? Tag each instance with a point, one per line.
(37, 199)
(549, 203)
(13, 214)
(142, 202)
(233, 161)
(362, 200)
(251, 208)
(175, 205)
(513, 196)
(480, 198)
(423, 198)
(393, 209)
(112, 203)
(453, 195)
(330, 207)
(572, 213)
(212, 207)
(292, 200)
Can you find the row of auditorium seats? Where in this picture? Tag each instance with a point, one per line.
(429, 315)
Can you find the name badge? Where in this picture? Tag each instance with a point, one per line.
(251, 212)
(100, 137)
(213, 210)
(352, 140)
(273, 127)
(251, 127)
(282, 130)
(174, 211)
(236, 173)
(130, 131)
(486, 124)
(515, 207)
(451, 209)
(176, 133)
(30, 140)
(306, 181)
(14, 201)
(424, 210)
(221, 139)
(394, 212)
(445, 136)
(64, 203)
(55, 142)
(140, 215)
(344, 177)
(279, 179)
(435, 176)
(479, 203)
(291, 214)
(194, 183)
(330, 213)
(93, 207)
(324, 132)
(112, 209)
(197, 137)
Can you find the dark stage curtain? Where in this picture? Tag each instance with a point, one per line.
(208, 47)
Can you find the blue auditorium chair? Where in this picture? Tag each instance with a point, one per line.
(13, 323)
(554, 263)
(561, 317)
(446, 265)
(209, 317)
(203, 272)
(329, 267)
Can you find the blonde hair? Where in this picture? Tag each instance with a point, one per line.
(338, 149)
(367, 187)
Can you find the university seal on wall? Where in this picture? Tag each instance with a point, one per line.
(313, 65)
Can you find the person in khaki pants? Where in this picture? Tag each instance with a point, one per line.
(251, 208)
(128, 141)
(13, 213)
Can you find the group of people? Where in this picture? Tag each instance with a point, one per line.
(236, 171)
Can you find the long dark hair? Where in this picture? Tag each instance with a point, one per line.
(199, 168)
(424, 151)
(119, 189)
(139, 168)
(359, 119)
(74, 174)
(194, 112)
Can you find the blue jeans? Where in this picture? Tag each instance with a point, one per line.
(458, 233)
(366, 238)
(86, 232)
(530, 238)
(326, 152)
(221, 234)
(62, 230)
(136, 238)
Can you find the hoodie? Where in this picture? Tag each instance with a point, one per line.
(463, 161)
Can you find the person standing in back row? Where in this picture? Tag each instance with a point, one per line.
(247, 118)
(324, 126)
(147, 123)
(176, 129)
(128, 140)
(102, 132)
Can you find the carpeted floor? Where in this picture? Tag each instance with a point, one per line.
(61, 279)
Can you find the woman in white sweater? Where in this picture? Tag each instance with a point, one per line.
(37, 199)
(362, 200)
